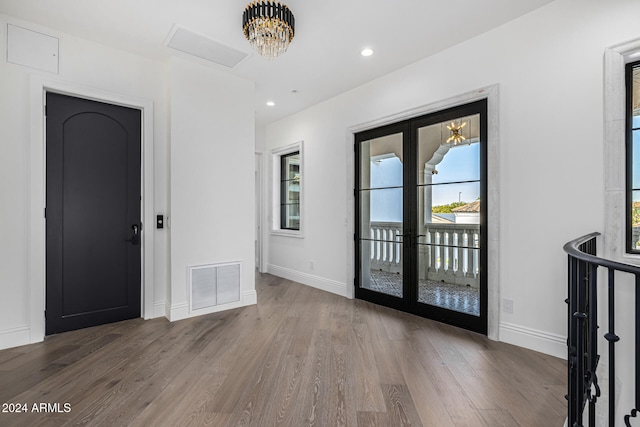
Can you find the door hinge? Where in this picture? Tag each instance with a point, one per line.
(45, 110)
(45, 213)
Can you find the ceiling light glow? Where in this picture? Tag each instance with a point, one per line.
(366, 52)
(271, 104)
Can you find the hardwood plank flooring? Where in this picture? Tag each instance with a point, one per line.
(300, 357)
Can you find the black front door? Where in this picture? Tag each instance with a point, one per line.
(421, 213)
(93, 194)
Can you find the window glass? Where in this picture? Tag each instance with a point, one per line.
(633, 157)
(290, 191)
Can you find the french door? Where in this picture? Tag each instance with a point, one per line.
(421, 195)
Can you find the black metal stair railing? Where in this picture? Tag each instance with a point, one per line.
(582, 341)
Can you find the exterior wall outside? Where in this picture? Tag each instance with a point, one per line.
(467, 218)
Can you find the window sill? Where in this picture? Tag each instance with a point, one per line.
(288, 233)
(631, 258)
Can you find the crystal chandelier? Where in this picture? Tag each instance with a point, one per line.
(269, 27)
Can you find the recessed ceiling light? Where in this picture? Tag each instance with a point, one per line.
(271, 104)
(366, 52)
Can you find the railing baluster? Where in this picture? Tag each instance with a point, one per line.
(373, 244)
(612, 338)
(592, 343)
(637, 325)
(579, 316)
(459, 251)
(383, 241)
(634, 411)
(582, 347)
(449, 252)
(438, 251)
(398, 246)
(391, 247)
(465, 254)
(429, 254)
(476, 253)
(377, 248)
(572, 396)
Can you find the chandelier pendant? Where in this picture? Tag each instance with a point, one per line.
(456, 137)
(269, 27)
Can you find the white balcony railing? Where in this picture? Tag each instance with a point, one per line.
(386, 246)
(447, 252)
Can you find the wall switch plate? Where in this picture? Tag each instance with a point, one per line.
(507, 305)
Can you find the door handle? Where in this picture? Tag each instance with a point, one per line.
(134, 238)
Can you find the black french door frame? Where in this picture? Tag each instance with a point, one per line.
(409, 300)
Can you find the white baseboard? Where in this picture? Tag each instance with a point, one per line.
(544, 342)
(179, 312)
(317, 282)
(159, 310)
(250, 297)
(15, 337)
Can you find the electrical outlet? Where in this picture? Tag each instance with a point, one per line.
(507, 305)
(311, 266)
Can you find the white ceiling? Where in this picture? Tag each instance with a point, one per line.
(324, 57)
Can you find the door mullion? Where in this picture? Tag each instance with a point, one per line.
(411, 214)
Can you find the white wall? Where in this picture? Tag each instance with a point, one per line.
(549, 68)
(209, 116)
(84, 66)
(212, 177)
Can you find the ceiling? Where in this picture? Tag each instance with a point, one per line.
(324, 58)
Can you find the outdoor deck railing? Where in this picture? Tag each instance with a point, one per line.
(583, 334)
(448, 252)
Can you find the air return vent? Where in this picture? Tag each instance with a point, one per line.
(213, 285)
(189, 42)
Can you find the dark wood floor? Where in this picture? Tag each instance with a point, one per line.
(301, 357)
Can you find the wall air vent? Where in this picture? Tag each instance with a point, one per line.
(213, 285)
(197, 45)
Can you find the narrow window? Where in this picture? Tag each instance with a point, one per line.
(633, 156)
(290, 191)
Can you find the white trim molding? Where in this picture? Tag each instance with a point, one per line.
(179, 311)
(317, 282)
(160, 309)
(276, 155)
(615, 59)
(249, 297)
(37, 163)
(15, 337)
(533, 339)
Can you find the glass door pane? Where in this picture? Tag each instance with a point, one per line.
(380, 204)
(448, 191)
